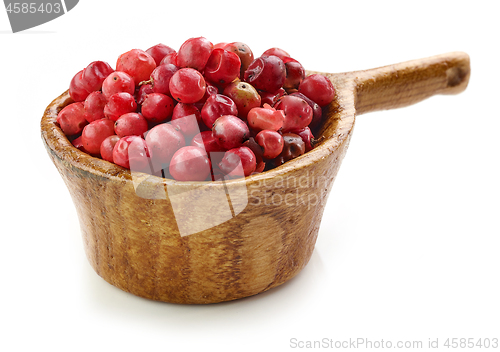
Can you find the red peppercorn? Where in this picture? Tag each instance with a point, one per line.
(276, 52)
(194, 53)
(119, 104)
(266, 73)
(217, 105)
(207, 141)
(187, 85)
(131, 124)
(143, 91)
(72, 118)
(94, 106)
(317, 111)
(77, 143)
(230, 131)
(243, 52)
(266, 118)
(170, 59)
(298, 113)
(190, 164)
(238, 162)
(77, 92)
(258, 152)
(318, 88)
(132, 152)
(307, 136)
(88, 80)
(118, 82)
(187, 119)
(271, 142)
(161, 78)
(222, 67)
(157, 107)
(137, 63)
(293, 147)
(271, 98)
(244, 95)
(107, 146)
(159, 51)
(164, 140)
(295, 73)
(94, 75)
(94, 133)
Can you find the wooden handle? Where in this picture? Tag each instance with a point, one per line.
(409, 82)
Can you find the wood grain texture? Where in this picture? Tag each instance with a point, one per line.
(131, 224)
(410, 82)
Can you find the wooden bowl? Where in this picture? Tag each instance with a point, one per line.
(207, 242)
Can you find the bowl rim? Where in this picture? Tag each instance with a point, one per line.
(341, 111)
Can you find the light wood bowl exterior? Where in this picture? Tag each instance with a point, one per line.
(131, 236)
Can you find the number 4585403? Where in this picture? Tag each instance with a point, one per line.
(471, 343)
(24, 7)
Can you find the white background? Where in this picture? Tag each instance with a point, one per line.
(409, 244)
